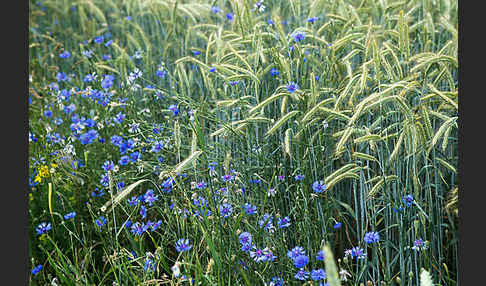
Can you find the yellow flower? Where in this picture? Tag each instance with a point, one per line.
(38, 179)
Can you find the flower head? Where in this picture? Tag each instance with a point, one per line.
(43, 228)
(408, 200)
(226, 210)
(149, 197)
(298, 36)
(301, 261)
(299, 177)
(259, 255)
(318, 274)
(371, 237)
(295, 252)
(149, 265)
(320, 255)
(174, 109)
(301, 275)
(69, 215)
(183, 245)
(274, 72)
(250, 209)
(319, 186)
(101, 221)
(292, 87)
(357, 252)
(266, 222)
(245, 238)
(419, 245)
(283, 222)
(37, 269)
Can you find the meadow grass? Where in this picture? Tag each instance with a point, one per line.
(340, 115)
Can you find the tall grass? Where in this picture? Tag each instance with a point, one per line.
(374, 117)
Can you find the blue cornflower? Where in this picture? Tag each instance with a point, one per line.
(158, 145)
(37, 269)
(246, 247)
(149, 265)
(133, 201)
(99, 39)
(284, 222)
(227, 178)
(419, 245)
(127, 224)
(226, 210)
(292, 87)
(371, 237)
(270, 22)
(124, 160)
(319, 186)
(107, 44)
(174, 109)
(295, 252)
(270, 256)
(116, 140)
(139, 228)
(101, 221)
(357, 252)
(212, 166)
(201, 185)
(108, 166)
(118, 119)
(61, 76)
(250, 209)
(276, 281)
(298, 36)
(69, 215)
(318, 274)
(408, 200)
(301, 275)
(233, 83)
(301, 261)
(155, 225)
(230, 16)
(212, 69)
(320, 255)
(48, 113)
(43, 228)
(143, 211)
(299, 177)
(266, 222)
(107, 81)
(65, 55)
(135, 156)
(245, 238)
(337, 225)
(259, 255)
(106, 57)
(183, 245)
(215, 9)
(316, 77)
(274, 71)
(312, 19)
(149, 197)
(87, 53)
(196, 53)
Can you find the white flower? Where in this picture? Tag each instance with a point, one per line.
(343, 274)
(175, 270)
